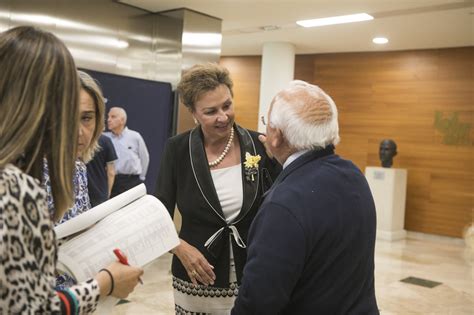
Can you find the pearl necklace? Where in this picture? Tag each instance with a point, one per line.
(224, 153)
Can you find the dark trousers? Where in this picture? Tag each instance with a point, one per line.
(123, 183)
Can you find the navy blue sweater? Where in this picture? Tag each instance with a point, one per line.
(311, 246)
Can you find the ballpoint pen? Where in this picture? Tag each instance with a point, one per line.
(123, 259)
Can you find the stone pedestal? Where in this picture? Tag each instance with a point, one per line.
(388, 186)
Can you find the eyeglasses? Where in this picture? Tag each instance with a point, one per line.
(262, 119)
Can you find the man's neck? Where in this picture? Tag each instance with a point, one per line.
(284, 155)
(118, 131)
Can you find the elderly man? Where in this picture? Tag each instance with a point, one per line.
(132, 163)
(311, 246)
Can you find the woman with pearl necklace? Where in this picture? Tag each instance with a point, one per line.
(215, 175)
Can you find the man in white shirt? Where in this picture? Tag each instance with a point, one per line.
(133, 158)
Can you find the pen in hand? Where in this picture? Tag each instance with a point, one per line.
(123, 260)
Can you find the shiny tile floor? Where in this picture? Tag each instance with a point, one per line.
(448, 261)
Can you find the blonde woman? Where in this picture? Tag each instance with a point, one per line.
(91, 117)
(39, 96)
(91, 123)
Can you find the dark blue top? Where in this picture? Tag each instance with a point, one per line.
(97, 171)
(311, 245)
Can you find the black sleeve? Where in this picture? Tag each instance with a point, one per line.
(108, 147)
(166, 183)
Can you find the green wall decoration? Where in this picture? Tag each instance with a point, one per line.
(454, 132)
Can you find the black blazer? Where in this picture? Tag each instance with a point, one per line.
(185, 180)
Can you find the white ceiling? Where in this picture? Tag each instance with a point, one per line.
(408, 24)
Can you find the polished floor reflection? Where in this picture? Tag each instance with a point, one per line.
(421, 257)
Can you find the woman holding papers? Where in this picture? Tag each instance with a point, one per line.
(216, 174)
(91, 115)
(39, 98)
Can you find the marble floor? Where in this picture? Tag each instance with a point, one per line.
(442, 260)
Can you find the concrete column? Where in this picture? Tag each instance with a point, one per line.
(278, 67)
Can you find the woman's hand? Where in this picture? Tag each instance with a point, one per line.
(125, 278)
(195, 263)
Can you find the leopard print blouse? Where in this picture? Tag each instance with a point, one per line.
(28, 251)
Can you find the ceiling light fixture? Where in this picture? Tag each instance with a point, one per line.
(202, 39)
(380, 40)
(92, 40)
(359, 17)
(53, 21)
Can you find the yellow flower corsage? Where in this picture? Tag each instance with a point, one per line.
(251, 166)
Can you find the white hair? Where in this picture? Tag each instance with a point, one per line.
(122, 113)
(306, 116)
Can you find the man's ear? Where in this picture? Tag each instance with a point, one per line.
(278, 139)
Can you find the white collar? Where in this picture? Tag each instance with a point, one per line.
(124, 130)
(293, 157)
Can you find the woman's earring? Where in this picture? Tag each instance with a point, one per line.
(195, 121)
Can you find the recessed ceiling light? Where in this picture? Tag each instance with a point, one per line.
(380, 40)
(359, 17)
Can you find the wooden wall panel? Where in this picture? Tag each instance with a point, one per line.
(245, 72)
(396, 95)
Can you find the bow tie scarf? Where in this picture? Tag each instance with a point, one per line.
(219, 234)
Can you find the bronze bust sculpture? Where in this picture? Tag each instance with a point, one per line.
(387, 150)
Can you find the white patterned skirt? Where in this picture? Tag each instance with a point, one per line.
(190, 299)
